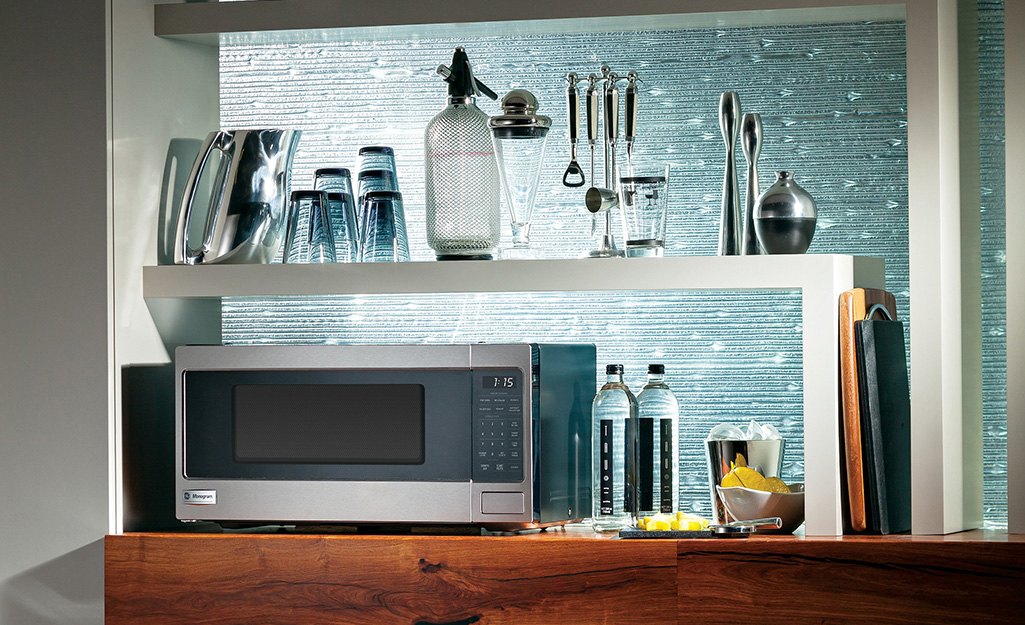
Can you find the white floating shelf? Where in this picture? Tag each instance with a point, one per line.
(326, 20)
(820, 279)
(614, 274)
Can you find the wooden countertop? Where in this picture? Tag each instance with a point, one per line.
(560, 576)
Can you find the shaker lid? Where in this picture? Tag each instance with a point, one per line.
(519, 118)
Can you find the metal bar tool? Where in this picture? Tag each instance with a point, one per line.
(603, 199)
(574, 176)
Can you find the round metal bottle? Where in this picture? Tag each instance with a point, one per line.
(785, 217)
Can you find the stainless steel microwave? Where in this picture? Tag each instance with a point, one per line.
(496, 436)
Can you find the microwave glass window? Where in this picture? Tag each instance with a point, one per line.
(329, 423)
(499, 381)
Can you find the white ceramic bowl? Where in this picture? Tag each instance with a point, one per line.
(745, 504)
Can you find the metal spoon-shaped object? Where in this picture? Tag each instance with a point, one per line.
(611, 110)
(574, 176)
(751, 143)
(729, 226)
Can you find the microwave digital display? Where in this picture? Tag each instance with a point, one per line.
(499, 381)
(329, 423)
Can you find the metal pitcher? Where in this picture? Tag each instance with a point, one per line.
(247, 213)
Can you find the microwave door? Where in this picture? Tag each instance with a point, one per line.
(351, 425)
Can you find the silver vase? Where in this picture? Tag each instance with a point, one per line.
(729, 220)
(751, 142)
(785, 217)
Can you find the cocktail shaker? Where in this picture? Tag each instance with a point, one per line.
(519, 135)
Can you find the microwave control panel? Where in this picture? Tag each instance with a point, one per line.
(498, 425)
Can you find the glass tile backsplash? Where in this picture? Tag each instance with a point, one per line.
(832, 98)
(728, 357)
(994, 261)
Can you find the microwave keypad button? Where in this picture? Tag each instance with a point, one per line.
(498, 424)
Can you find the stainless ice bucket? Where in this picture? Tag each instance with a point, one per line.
(246, 215)
(764, 456)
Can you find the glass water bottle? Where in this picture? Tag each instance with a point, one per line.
(658, 415)
(614, 447)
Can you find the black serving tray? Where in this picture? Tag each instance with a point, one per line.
(715, 531)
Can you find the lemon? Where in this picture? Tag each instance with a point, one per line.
(776, 485)
(746, 477)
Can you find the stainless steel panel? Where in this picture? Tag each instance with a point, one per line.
(328, 502)
(323, 356)
(501, 503)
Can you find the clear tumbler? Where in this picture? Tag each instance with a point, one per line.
(309, 238)
(384, 228)
(378, 157)
(643, 197)
(342, 216)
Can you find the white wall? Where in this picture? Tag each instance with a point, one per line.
(162, 91)
(55, 387)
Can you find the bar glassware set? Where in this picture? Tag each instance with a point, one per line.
(331, 223)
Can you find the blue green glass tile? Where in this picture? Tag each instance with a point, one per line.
(726, 358)
(994, 260)
(833, 103)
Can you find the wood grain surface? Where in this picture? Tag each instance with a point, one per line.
(561, 578)
(877, 581)
(272, 580)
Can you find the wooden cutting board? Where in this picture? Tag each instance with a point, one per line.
(853, 305)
